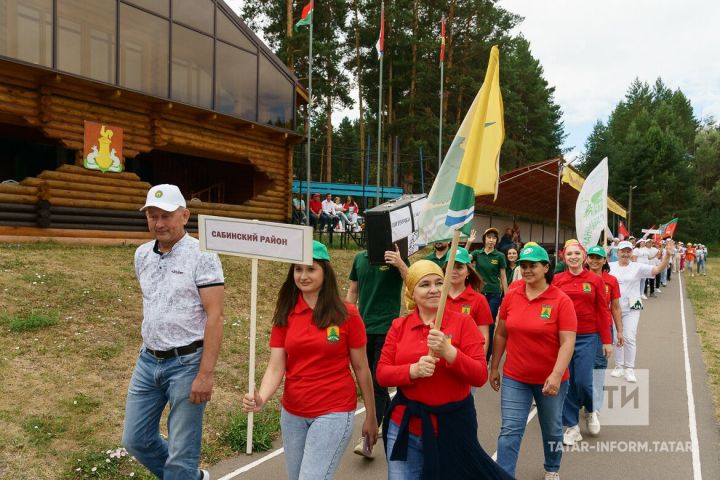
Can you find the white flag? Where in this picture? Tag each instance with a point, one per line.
(591, 206)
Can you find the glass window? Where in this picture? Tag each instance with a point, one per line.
(86, 38)
(161, 7)
(26, 30)
(194, 13)
(275, 96)
(228, 31)
(144, 51)
(192, 61)
(236, 87)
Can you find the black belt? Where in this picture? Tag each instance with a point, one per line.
(177, 352)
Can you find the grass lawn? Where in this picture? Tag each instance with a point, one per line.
(70, 320)
(704, 293)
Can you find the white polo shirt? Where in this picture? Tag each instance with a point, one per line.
(173, 313)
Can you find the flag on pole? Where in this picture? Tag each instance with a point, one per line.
(442, 40)
(307, 15)
(380, 45)
(668, 230)
(591, 206)
(471, 165)
(623, 231)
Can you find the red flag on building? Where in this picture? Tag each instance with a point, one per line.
(442, 40)
(622, 231)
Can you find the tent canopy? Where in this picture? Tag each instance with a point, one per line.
(531, 192)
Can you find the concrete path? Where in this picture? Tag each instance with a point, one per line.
(680, 441)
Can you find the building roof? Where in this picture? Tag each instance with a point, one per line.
(531, 192)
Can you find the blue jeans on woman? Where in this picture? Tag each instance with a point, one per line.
(154, 383)
(580, 389)
(410, 469)
(515, 402)
(314, 446)
(494, 300)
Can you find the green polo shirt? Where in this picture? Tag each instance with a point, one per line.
(379, 288)
(439, 261)
(488, 265)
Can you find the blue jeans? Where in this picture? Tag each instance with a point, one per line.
(515, 402)
(494, 300)
(599, 367)
(155, 383)
(314, 446)
(412, 468)
(580, 389)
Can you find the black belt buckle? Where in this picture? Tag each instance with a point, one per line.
(177, 351)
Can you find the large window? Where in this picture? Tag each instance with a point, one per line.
(194, 13)
(192, 65)
(86, 38)
(275, 96)
(26, 30)
(228, 32)
(144, 47)
(161, 7)
(236, 77)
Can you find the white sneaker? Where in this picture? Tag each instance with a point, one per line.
(572, 435)
(617, 372)
(205, 474)
(593, 423)
(360, 449)
(643, 296)
(630, 375)
(552, 476)
(657, 290)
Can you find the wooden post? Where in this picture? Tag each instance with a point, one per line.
(251, 362)
(446, 283)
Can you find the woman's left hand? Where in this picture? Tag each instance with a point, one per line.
(370, 429)
(607, 349)
(440, 344)
(552, 385)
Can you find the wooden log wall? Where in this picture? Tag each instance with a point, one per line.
(58, 105)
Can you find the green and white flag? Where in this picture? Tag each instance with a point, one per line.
(307, 14)
(591, 206)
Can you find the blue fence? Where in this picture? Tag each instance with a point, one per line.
(343, 189)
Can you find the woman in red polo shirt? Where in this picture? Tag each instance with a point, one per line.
(536, 325)
(464, 293)
(314, 338)
(433, 398)
(587, 292)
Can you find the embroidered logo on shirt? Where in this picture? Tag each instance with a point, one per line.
(545, 312)
(587, 288)
(466, 309)
(333, 334)
(384, 267)
(494, 261)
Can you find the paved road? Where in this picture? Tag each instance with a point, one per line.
(681, 440)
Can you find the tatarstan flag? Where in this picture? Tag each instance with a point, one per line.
(668, 229)
(307, 14)
(442, 40)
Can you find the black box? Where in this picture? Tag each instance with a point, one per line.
(393, 222)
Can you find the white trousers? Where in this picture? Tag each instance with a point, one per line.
(625, 355)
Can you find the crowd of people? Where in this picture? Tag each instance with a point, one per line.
(553, 325)
(331, 214)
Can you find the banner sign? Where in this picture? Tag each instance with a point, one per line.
(103, 147)
(591, 206)
(279, 242)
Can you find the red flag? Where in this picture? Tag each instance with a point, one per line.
(623, 231)
(442, 40)
(380, 45)
(669, 228)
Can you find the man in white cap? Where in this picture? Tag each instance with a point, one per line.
(183, 292)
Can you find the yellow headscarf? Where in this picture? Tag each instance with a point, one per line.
(415, 273)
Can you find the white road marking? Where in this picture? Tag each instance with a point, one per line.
(692, 421)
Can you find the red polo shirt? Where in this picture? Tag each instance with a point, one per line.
(587, 292)
(406, 342)
(317, 362)
(533, 327)
(471, 303)
(316, 206)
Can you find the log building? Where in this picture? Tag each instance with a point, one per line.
(200, 100)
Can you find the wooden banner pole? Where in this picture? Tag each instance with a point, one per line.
(446, 283)
(251, 362)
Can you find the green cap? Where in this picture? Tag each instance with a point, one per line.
(533, 253)
(320, 251)
(597, 250)
(462, 256)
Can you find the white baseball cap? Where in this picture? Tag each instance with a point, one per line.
(165, 197)
(624, 244)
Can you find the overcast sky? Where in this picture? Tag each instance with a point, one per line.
(591, 50)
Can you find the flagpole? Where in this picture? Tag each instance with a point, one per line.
(379, 136)
(442, 85)
(309, 126)
(561, 164)
(446, 284)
